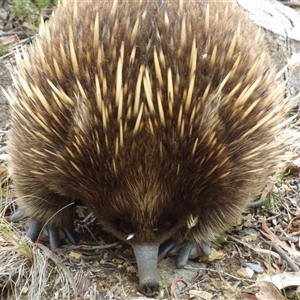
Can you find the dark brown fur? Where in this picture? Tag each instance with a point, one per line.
(160, 178)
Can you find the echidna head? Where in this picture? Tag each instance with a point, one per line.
(139, 209)
(143, 210)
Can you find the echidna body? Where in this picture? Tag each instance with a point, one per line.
(161, 116)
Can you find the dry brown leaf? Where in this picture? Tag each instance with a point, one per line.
(201, 294)
(275, 240)
(247, 296)
(213, 256)
(282, 280)
(267, 291)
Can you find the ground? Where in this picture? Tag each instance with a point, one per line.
(265, 239)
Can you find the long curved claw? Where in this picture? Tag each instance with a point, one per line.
(70, 234)
(165, 248)
(206, 249)
(184, 254)
(34, 230)
(17, 216)
(200, 250)
(54, 239)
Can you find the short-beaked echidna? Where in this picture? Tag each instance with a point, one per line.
(161, 116)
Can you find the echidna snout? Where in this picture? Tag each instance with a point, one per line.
(146, 257)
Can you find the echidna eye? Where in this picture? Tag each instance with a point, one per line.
(163, 226)
(125, 227)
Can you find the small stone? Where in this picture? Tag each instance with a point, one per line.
(118, 261)
(25, 290)
(130, 269)
(245, 272)
(250, 238)
(75, 255)
(255, 267)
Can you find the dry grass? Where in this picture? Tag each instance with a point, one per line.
(28, 270)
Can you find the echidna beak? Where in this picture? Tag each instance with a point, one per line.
(146, 258)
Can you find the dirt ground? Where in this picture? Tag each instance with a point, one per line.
(5, 82)
(101, 267)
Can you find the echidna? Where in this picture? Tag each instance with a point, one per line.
(161, 116)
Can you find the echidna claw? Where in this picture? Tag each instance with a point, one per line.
(206, 249)
(184, 254)
(200, 250)
(17, 216)
(70, 234)
(54, 239)
(34, 230)
(190, 250)
(165, 248)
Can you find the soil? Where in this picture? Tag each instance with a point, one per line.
(6, 81)
(101, 267)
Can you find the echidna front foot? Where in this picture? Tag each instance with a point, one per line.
(35, 228)
(190, 250)
(184, 252)
(165, 248)
(54, 238)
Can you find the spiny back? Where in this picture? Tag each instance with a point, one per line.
(149, 111)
